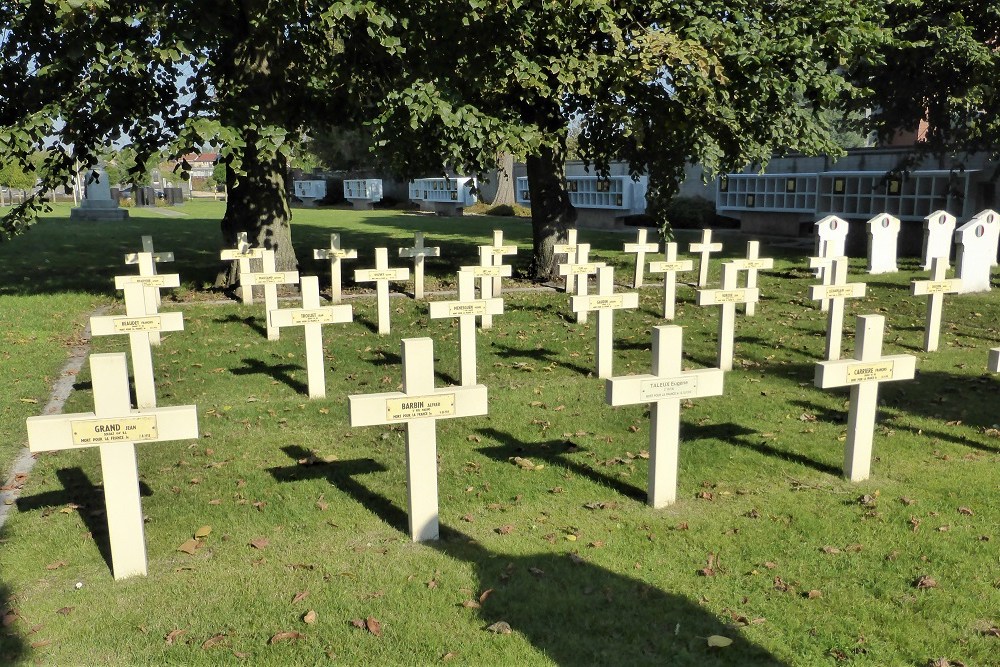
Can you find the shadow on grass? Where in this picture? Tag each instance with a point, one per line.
(12, 645)
(505, 351)
(279, 372)
(573, 611)
(249, 321)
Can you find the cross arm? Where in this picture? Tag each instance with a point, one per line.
(108, 325)
(579, 269)
(439, 309)
(713, 297)
(756, 263)
(848, 291)
(133, 257)
(847, 372)
(290, 317)
(326, 253)
(370, 275)
(634, 389)
(597, 302)
(397, 407)
(678, 265)
(925, 287)
(74, 431)
(430, 251)
(159, 280)
(271, 278)
(249, 253)
(501, 270)
(641, 247)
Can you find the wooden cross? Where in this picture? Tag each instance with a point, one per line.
(498, 251)
(753, 263)
(863, 375)
(137, 324)
(568, 249)
(605, 302)
(705, 248)
(935, 289)
(335, 254)
(833, 295)
(270, 278)
(419, 406)
(580, 268)
(418, 252)
(727, 298)
(664, 388)
(466, 309)
(311, 317)
(640, 248)
(669, 270)
(147, 261)
(243, 253)
(381, 275)
(115, 428)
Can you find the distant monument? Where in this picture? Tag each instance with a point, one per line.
(98, 204)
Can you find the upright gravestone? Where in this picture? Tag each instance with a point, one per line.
(752, 264)
(270, 278)
(418, 252)
(147, 261)
(977, 250)
(669, 269)
(863, 374)
(831, 241)
(664, 389)
(883, 242)
(568, 249)
(418, 407)
(939, 231)
(115, 428)
(498, 251)
(335, 254)
(935, 289)
(466, 309)
(98, 204)
(381, 275)
(727, 298)
(833, 296)
(993, 362)
(639, 249)
(605, 302)
(704, 248)
(242, 254)
(580, 268)
(311, 317)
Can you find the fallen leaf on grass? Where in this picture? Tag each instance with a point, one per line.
(500, 628)
(56, 565)
(448, 656)
(189, 547)
(358, 623)
(373, 626)
(485, 594)
(288, 635)
(65, 611)
(310, 617)
(259, 542)
(505, 529)
(538, 572)
(925, 582)
(814, 594)
(173, 635)
(718, 641)
(966, 511)
(300, 596)
(204, 531)
(214, 640)
(709, 570)
(471, 604)
(831, 550)
(40, 644)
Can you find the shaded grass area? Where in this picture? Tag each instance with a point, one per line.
(567, 553)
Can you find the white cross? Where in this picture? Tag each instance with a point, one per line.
(568, 249)
(669, 269)
(640, 248)
(498, 251)
(935, 289)
(311, 317)
(579, 267)
(147, 261)
(727, 298)
(419, 406)
(485, 273)
(833, 294)
(753, 263)
(335, 254)
(137, 324)
(243, 253)
(418, 252)
(823, 269)
(270, 279)
(115, 428)
(466, 309)
(831, 239)
(863, 375)
(381, 275)
(664, 388)
(705, 248)
(605, 302)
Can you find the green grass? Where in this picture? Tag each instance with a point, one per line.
(587, 573)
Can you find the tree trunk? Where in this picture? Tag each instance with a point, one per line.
(551, 212)
(503, 181)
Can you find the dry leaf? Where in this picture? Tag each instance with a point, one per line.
(288, 635)
(831, 550)
(173, 635)
(505, 529)
(485, 594)
(373, 626)
(719, 641)
(500, 628)
(925, 582)
(471, 604)
(358, 623)
(966, 511)
(202, 532)
(259, 542)
(66, 611)
(538, 572)
(814, 594)
(300, 596)
(56, 565)
(448, 656)
(214, 640)
(310, 617)
(189, 547)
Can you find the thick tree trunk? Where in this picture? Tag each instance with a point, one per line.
(551, 212)
(500, 190)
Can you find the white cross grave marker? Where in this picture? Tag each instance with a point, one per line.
(833, 296)
(939, 231)
(381, 275)
(977, 251)
(727, 298)
(466, 309)
(498, 251)
(418, 252)
(243, 253)
(669, 269)
(568, 249)
(137, 324)
(640, 248)
(752, 264)
(883, 237)
(487, 273)
(664, 388)
(605, 302)
(935, 289)
(335, 254)
(419, 406)
(993, 362)
(147, 261)
(863, 375)
(270, 278)
(115, 428)
(311, 317)
(579, 267)
(704, 248)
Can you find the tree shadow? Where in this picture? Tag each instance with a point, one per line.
(766, 449)
(505, 351)
(575, 612)
(249, 321)
(13, 647)
(279, 372)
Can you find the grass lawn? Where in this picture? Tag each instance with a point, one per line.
(303, 519)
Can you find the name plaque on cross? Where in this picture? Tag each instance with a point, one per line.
(89, 432)
(335, 254)
(420, 407)
(466, 309)
(935, 289)
(147, 261)
(568, 249)
(669, 269)
(580, 268)
(605, 303)
(727, 298)
(832, 295)
(381, 275)
(242, 254)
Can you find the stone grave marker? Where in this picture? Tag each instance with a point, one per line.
(863, 374)
(605, 302)
(935, 289)
(147, 261)
(704, 248)
(977, 250)
(883, 237)
(499, 250)
(418, 252)
(831, 237)
(419, 406)
(98, 204)
(311, 317)
(639, 249)
(993, 362)
(485, 273)
(381, 275)
(335, 254)
(568, 249)
(752, 264)
(270, 278)
(939, 231)
(115, 428)
(580, 268)
(669, 269)
(833, 296)
(466, 309)
(727, 298)
(664, 389)
(243, 253)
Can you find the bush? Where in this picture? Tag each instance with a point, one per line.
(126, 202)
(690, 213)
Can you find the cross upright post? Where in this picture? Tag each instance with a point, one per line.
(335, 254)
(466, 309)
(605, 302)
(243, 253)
(669, 269)
(568, 249)
(418, 252)
(833, 294)
(580, 268)
(270, 278)
(727, 298)
(147, 261)
(498, 252)
(935, 289)
(640, 248)
(753, 263)
(704, 248)
(381, 275)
